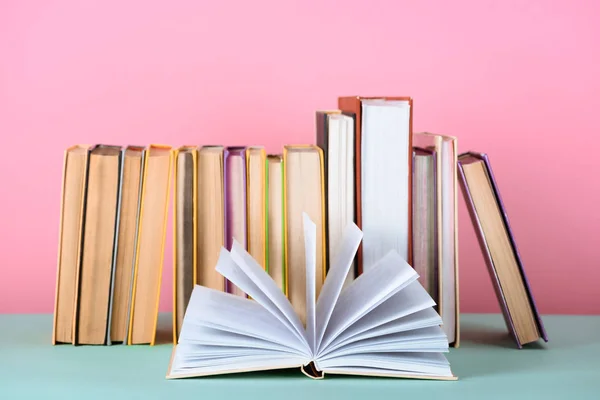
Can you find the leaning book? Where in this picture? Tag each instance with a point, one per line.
(382, 324)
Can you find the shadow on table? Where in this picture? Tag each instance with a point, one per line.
(481, 334)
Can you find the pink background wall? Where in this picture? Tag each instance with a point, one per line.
(516, 79)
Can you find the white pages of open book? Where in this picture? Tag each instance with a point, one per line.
(382, 324)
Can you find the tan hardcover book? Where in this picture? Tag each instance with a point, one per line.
(275, 218)
(99, 231)
(129, 197)
(211, 216)
(383, 149)
(256, 203)
(152, 228)
(70, 231)
(446, 151)
(490, 220)
(304, 188)
(185, 232)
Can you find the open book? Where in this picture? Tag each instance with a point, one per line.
(382, 324)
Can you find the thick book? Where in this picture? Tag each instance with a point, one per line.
(275, 227)
(499, 248)
(382, 324)
(236, 216)
(446, 151)
(211, 215)
(69, 241)
(150, 244)
(383, 149)
(335, 136)
(94, 281)
(304, 192)
(185, 229)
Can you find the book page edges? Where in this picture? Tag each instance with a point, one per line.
(139, 230)
(164, 237)
(393, 375)
(60, 234)
(175, 154)
(437, 143)
(353, 104)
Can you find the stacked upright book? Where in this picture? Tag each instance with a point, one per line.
(112, 232)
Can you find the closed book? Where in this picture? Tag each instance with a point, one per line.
(499, 248)
(425, 239)
(304, 192)
(92, 314)
(256, 203)
(446, 151)
(69, 242)
(335, 136)
(236, 223)
(275, 221)
(127, 219)
(211, 215)
(150, 244)
(383, 148)
(185, 232)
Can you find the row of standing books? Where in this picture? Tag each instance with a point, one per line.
(367, 167)
(113, 224)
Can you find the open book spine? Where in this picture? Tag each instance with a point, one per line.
(466, 157)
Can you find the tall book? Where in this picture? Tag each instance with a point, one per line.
(256, 203)
(150, 244)
(236, 222)
(127, 220)
(383, 149)
(185, 232)
(335, 136)
(69, 242)
(93, 301)
(275, 221)
(499, 248)
(211, 215)
(304, 188)
(425, 240)
(445, 148)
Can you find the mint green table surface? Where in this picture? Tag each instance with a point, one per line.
(487, 364)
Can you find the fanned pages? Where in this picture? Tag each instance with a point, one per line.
(381, 324)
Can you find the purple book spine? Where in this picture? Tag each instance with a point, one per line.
(228, 153)
(478, 229)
